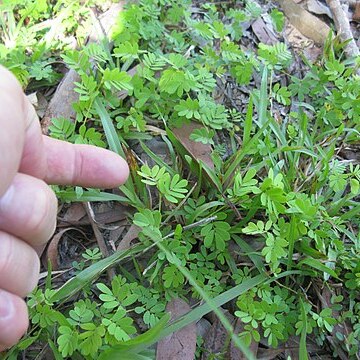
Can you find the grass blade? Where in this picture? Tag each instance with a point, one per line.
(248, 121)
(250, 252)
(89, 195)
(303, 354)
(316, 264)
(112, 136)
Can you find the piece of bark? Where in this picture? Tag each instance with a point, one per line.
(180, 345)
(356, 16)
(308, 24)
(343, 28)
(61, 103)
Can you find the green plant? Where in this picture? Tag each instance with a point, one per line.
(278, 196)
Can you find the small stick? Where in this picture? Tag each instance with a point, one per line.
(99, 237)
(343, 29)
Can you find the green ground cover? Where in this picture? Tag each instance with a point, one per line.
(264, 225)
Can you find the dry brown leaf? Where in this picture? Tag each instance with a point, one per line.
(234, 352)
(270, 354)
(302, 44)
(61, 103)
(52, 253)
(39, 102)
(197, 150)
(104, 214)
(131, 235)
(263, 32)
(351, 152)
(75, 212)
(342, 328)
(217, 340)
(308, 24)
(317, 7)
(180, 345)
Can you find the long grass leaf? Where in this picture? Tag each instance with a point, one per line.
(112, 136)
(303, 354)
(248, 121)
(89, 195)
(316, 264)
(250, 252)
(242, 152)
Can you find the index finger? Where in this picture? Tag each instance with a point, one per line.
(24, 149)
(84, 165)
(12, 128)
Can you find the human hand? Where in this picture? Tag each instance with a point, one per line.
(28, 162)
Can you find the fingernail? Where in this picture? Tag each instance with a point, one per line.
(6, 305)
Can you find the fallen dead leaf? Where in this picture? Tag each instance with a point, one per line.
(317, 7)
(263, 32)
(61, 103)
(344, 328)
(75, 212)
(234, 352)
(39, 102)
(180, 345)
(270, 354)
(32, 98)
(131, 235)
(197, 150)
(301, 44)
(217, 341)
(351, 152)
(104, 214)
(52, 253)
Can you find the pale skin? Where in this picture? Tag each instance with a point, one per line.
(29, 161)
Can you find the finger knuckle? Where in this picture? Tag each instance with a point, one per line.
(44, 211)
(6, 253)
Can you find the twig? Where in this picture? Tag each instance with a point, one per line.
(99, 238)
(343, 29)
(191, 226)
(180, 204)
